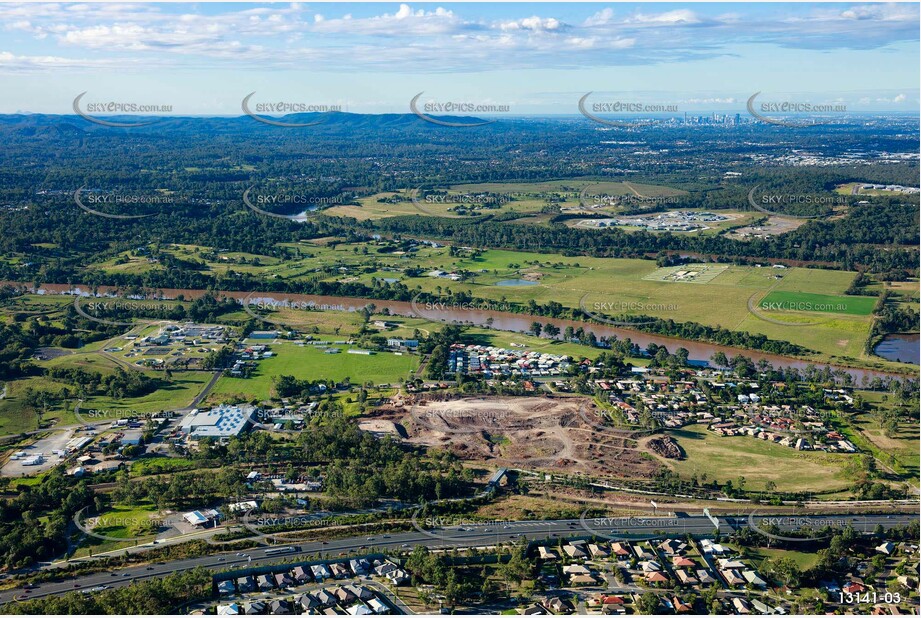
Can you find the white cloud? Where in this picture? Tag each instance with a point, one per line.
(534, 24)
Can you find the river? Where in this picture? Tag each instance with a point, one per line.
(500, 320)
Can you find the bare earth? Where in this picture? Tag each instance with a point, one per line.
(532, 433)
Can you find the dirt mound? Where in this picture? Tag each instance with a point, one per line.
(665, 446)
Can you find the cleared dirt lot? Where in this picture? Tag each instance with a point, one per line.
(535, 433)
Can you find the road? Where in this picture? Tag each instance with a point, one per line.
(474, 536)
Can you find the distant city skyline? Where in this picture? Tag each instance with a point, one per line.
(533, 59)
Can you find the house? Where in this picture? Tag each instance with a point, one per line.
(672, 546)
(681, 561)
(680, 606)
(301, 575)
(685, 577)
(246, 584)
(363, 593)
(752, 578)
(534, 610)
(254, 608)
(620, 550)
(558, 605)
(761, 608)
(377, 606)
(853, 587)
(740, 605)
(320, 572)
(703, 576)
(307, 601)
(283, 580)
(326, 598)
(886, 548)
(265, 582)
(226, 587)
(709, 547)
(574, 551)
(656, 577)
(732, 577)
(280, 607)
(228, 610)
(399, 577)
(345, 596)
(546, 554)
(360, 566)
(358, 610)
(582, 580)
(598, 551)
(575, 569)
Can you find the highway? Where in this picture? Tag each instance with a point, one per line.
(472, 535)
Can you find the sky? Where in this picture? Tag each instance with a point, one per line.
(533, 58)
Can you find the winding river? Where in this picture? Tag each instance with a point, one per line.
(499, 320)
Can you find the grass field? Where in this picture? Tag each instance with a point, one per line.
(822, 303)
(726, 458)
(804, 560)
(310, 362)
(720, 297)
(121, 521)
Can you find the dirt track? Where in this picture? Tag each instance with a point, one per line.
(537, 433)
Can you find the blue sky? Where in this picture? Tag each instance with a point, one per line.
(536, 58)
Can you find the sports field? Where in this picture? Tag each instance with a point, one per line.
(822, 303)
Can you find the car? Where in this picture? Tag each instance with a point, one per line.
(363, 547)
(150, 568)
(326, 542)
(76, 585)
(113, 574)
(405, 545)
(370, 538)
(386, 536)
(221, 559)
(126, 574)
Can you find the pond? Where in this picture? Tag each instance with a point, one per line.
(901, 347)
(515, 282)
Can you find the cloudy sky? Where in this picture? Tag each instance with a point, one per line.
(538, 58)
